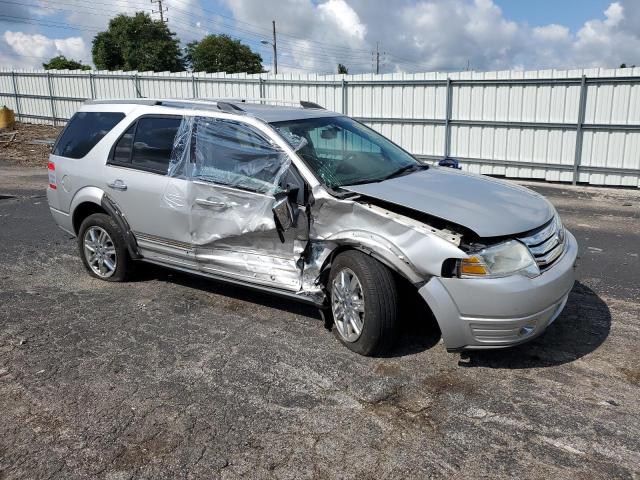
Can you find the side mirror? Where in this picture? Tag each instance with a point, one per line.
(449, 162)
(283, 215)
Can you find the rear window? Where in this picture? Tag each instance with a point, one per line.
(83, 131)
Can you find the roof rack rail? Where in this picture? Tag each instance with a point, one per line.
(137, 101)
(305, 104)
(300, 103)
(229, 107)
(205, 104)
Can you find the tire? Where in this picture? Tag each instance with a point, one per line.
(379, 297)
(114, 242)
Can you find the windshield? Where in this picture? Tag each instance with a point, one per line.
(342, 151)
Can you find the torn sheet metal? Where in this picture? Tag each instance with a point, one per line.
(232, 173)
(224, 176)
(410, 247)
(316, 259)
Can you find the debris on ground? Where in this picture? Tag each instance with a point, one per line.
(27, 145)
(7, 137)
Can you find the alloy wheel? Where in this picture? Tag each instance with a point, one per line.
(100, 251)
(347, 305)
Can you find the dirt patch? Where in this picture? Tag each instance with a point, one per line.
(449, 382)
(387, 370)
(25, 149)
(632, 374)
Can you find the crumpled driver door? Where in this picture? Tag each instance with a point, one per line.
(234, 173)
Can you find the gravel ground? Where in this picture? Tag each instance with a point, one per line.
(22, 151)
(172, 376)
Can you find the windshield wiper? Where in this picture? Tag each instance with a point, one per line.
(401, 170)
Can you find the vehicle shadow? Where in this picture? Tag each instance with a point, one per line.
(241, 293)
(417, 327)
(580, 329)
(417, 330)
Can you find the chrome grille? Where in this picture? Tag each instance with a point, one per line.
(547, 244)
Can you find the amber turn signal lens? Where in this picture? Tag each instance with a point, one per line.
(472, 266)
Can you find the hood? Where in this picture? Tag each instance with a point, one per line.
(487, 206)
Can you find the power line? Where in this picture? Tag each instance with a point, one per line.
(318, 56)
(48, 23)
(160, 10)
(294, 47)
(251, 32)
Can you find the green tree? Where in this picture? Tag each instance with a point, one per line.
(343, 69)
(221, 53)
(63, 63)
(137, 43)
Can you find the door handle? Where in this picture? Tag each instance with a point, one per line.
(117, 185)
(212, 203)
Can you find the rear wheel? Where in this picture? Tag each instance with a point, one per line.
(364, 303)
(103, 249)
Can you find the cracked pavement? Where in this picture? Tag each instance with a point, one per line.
(173, 376)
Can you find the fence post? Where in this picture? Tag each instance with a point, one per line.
(343, 94)
(261, 87)
(16, 94)
(194, 87)
(137, 85)
(92, 85)
(447, 121)
(51, 99)
(579, 131)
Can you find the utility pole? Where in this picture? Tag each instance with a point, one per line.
(160, 10)
(275, 48)
(377, 54)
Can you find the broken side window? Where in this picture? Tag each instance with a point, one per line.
(212, 154)
(235, 154)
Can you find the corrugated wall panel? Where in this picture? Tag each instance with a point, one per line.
(407, 112)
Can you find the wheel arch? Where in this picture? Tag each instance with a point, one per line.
(90, 200)
(82, 211)
(376, 251)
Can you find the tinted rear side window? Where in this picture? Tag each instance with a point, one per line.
(153, 143)
(83, 131)
(122, 151)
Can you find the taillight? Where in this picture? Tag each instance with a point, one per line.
(52, 175)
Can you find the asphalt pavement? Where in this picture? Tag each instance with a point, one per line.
(173, 376)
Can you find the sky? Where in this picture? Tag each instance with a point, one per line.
(315, 35)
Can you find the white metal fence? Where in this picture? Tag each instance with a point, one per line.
(569, 125)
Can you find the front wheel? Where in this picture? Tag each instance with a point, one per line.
(364, 303)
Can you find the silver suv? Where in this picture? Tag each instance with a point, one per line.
(307, 203)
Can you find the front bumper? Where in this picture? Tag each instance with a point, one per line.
(500, 312)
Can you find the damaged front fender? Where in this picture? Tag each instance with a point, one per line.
(412, 248)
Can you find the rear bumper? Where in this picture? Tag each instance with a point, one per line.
(63, 220)
(500, 312)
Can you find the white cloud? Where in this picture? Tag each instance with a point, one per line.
(614, 14)
(552, 33)
(314, 37)
(345, 17)
(415, 35)
(38, 48)
(421, 35)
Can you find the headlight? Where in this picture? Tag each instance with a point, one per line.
(499, 261)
